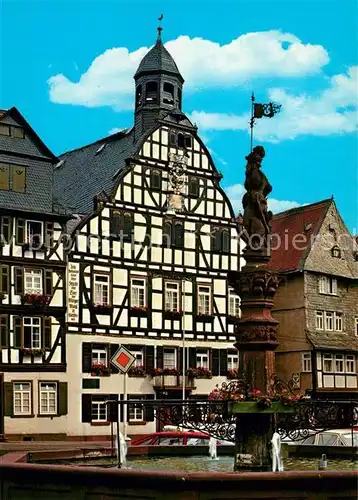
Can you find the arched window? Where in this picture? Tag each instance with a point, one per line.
(225, 241)
(127, 226)
(193, 186)
(155, 179)
(179, 234)
(138, 98)
(179, 98)
(181, 141)
(168, 96)
(167, 234)
(151, 92)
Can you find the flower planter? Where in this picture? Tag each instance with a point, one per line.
(205, 318)
(36, 300)
(27, 351)
(189, 382)
(252, 407)
(102, 309)
(173, 315)
(139, 312)
(170, 380)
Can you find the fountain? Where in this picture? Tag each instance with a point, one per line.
(213, 448)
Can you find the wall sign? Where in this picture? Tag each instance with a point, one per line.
(73, 292)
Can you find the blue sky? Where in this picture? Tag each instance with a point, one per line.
(58, 69)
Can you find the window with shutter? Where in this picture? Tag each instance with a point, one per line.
(216, 239)
(86, 357)
(193, 186)
(18, 178)
(4, 279)
(225, 241)
(115, 223)
(160, 356)
(9, 399)
(48, 281)
(47, 340)
(20, 231)
(18, 332)
(149, 410)
(62, 398)
(19, 281)
(224, 363)
(127, 226)
(6, 229)
(149, 358)
(48, 398)
(112, 350)
(155, 179)
(49, 229)
(4, 177)
(179, 234)
(167, 234)
(4, 330)
(215, 367)
(86, 407)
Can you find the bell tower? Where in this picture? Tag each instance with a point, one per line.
(158, 87)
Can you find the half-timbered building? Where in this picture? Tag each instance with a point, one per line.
(148, 259)
(33, 391)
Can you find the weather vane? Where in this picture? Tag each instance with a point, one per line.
(259, 110)
(160, 19)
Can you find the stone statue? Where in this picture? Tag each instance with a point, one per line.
(257, 219)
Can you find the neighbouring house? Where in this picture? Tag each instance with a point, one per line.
(317, 304)
(33, 388)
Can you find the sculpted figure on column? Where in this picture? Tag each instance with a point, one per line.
(257, 218)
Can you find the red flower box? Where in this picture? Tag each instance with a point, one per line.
(35, 299)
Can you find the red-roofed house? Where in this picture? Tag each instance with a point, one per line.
(317, 305)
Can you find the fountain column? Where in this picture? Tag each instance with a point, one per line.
(256, 331)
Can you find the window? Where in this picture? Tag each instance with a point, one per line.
(138, 98)
(172, 139)
(17, 132)
(339, 363)
(336, 252)
(122, 225)
(32, 332)
(234, 303)
(139, 357)
(232, 361)
(327, 285)
(151, 92)
(98, 410)
(169, 358)
(4, 176)
(168, 89)
(350, 363)
(202, 359)
(33, 281)
(220, 241)
(319, 320)
(338, 322)
(6, 228)
(179, 234)
(181, 141)
(4, 330)
(155, 179)
(328, 321)
(99, 355)
(138, 292)
(204, 299)
(34, 233)
(18, 178)
(328, 363)
(172, 296)
(4, 278)
(173, 234)
(306, 362)
(193, 186)
(136, 412)
(4, 129)
(48, 398)
(22, 398)
(101, 289)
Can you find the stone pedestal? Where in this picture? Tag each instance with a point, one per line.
(256, 341)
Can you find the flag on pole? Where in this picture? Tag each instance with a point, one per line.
(268, 110)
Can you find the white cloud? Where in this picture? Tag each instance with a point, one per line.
(237, 191)
(333, 111)
(203, 63)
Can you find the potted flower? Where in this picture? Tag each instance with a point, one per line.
(157, 375)
(202, 372)
(191, 373)
(102, 308)
(32, 351)
(204, 318)
(100, 369)
(35, 299)
(233, 374)
(174, 315)
(137, 371)
(139, 311)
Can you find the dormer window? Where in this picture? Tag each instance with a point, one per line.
(16, 132)
(168, 89)
(336, 252)
(138, 98)
(151, 92)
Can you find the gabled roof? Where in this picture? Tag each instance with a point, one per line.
(83, 173)
(158, 60)
(321, 340)
(15, 114)
(305, 221)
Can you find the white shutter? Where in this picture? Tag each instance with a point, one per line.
(334, 286)
(321, 285)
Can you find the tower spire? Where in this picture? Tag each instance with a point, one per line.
(160, 29)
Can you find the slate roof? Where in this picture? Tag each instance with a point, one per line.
(334, 342)
(307, 221)
(158, 59)
(87, 171)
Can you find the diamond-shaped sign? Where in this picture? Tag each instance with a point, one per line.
(122, 359)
